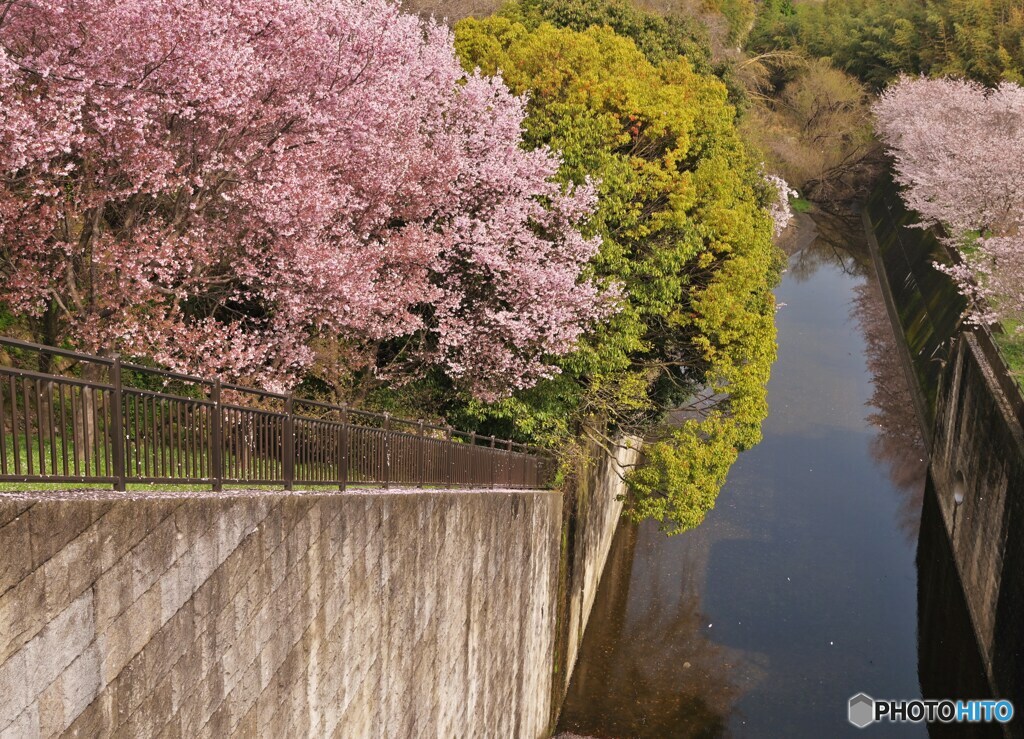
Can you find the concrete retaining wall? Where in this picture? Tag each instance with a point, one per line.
(978, 458)
(589, 525)
(395, 614)
(972, 416)
(923, 303)
(382, 613)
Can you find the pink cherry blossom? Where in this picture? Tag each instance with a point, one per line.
(214, 185)
(958, 152)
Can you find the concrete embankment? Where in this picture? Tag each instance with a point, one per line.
(592, 511)
(977, 468)
(972, 412)
(345, 615)
(394, 613)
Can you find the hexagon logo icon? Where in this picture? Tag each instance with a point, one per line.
(862, 710)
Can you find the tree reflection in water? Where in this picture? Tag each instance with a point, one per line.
(651, 665)
(650, 671)
(899, 444)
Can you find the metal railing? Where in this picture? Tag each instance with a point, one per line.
(114, 422)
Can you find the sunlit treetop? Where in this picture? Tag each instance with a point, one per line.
(683, 213)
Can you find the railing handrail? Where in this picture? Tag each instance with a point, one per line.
(206, 432)
(57, 351)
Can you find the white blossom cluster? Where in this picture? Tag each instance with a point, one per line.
(958, 152)
(780, 209)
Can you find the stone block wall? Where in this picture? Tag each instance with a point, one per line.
(978, 460)
(385, 613)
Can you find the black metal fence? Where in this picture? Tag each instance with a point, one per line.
(101, 420)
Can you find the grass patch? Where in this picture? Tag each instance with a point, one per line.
(49, 459)
(801, 205)
(1011, 345)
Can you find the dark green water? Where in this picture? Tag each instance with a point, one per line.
(928, 305)
(801, 588)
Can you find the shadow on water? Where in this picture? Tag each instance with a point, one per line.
(803, 586)
(949, 658)
(636, 654)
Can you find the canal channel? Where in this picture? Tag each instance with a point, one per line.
(812, 578)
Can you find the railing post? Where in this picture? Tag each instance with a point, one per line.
(472, 459)
(289, 442)
(117, 427)
(343, 451)
(216, 439)
(493, 460)
(387, 450)
(422, 461)
(509, 462)
(449, 451)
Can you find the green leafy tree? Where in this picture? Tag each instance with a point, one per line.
(685, 234)
(660, 38)
(696, 29)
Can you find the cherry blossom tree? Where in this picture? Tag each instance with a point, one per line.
(215, 186)
(958, 152)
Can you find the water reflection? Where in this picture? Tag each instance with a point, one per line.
(824, 241)
(640, 652)
(800, 588)
(898, 445)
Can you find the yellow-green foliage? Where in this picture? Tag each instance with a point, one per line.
(682, 475)
(680, 32)
(684, 232)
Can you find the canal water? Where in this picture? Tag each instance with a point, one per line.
(801, 587)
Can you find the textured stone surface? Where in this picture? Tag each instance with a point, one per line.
(372, 614)
(979, 452)
(588, 536)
